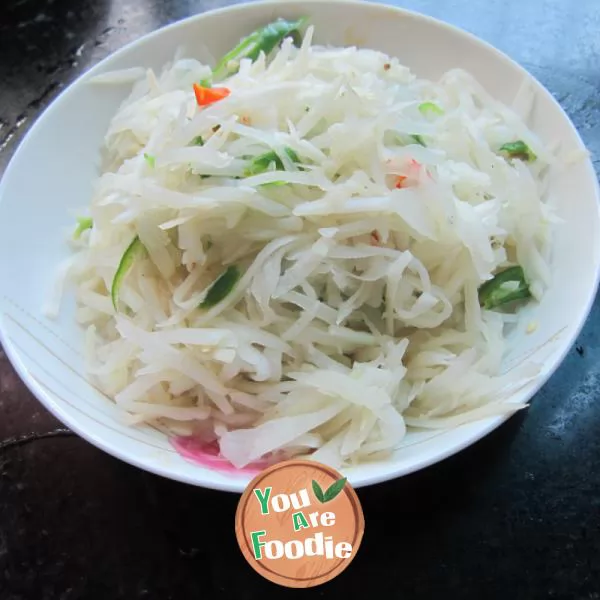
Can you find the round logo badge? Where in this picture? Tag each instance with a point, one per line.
(299, 523)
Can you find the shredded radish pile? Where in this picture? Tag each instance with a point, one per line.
(356, 314)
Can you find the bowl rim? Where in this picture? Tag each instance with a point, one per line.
(235, 485)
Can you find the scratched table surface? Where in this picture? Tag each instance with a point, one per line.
(516, 515)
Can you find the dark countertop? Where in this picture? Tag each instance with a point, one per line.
(516, 515)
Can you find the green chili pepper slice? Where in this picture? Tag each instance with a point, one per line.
(133, 251)
(501, 289)
(221, 287)
(151, 160)
(518, 149)
(264, 39)
(262, 162)
(83, 223)
(430, 108)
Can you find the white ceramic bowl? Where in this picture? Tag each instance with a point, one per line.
(51, 174)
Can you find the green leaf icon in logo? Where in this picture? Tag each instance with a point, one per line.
(332, 491)
(318, 491)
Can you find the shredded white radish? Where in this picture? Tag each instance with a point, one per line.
(355, 252)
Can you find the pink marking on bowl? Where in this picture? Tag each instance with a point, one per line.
(207, 455)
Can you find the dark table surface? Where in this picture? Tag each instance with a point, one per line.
(515, 516)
